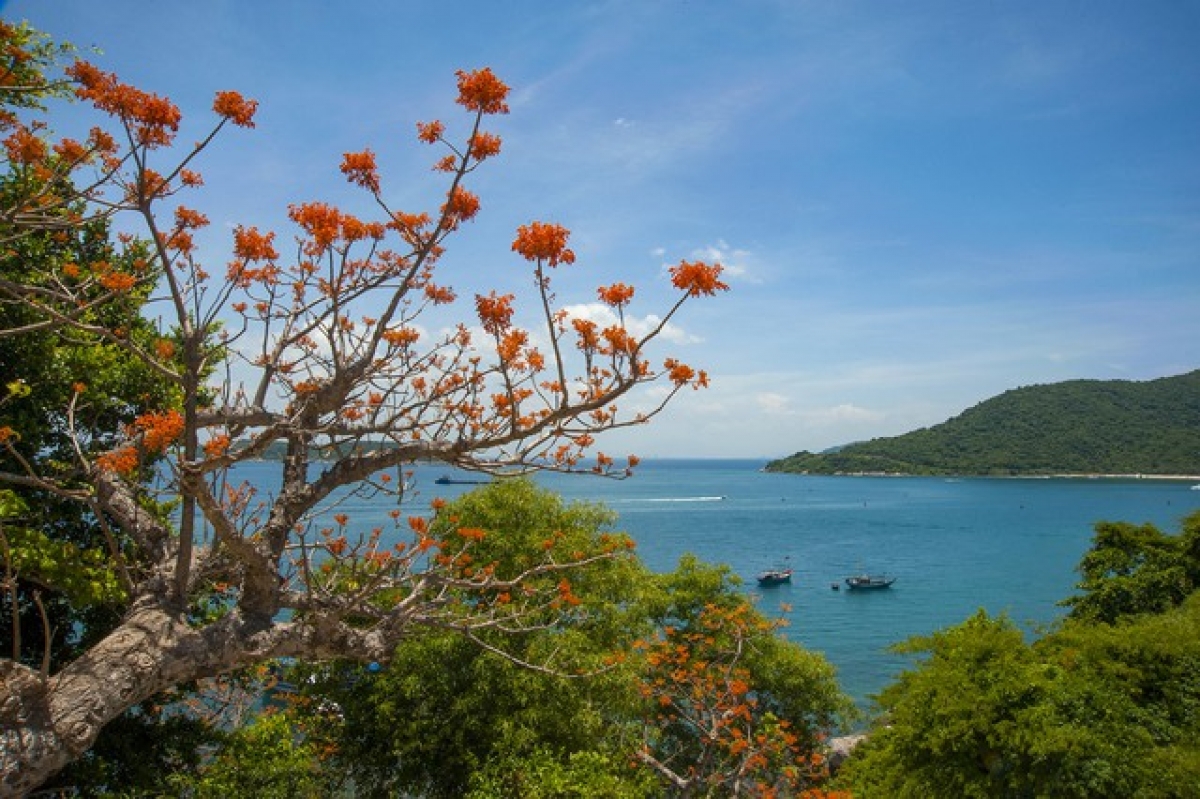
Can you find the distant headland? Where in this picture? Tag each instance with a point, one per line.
(1078, 428)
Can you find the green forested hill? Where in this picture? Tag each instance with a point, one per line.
(1076, 427)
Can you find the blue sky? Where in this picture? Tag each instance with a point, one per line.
(921, 204)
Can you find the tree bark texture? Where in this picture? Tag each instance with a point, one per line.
(46, 722)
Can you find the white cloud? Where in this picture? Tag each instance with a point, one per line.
(735, 261)
(845, 412)
(774, 403)
(604, 316)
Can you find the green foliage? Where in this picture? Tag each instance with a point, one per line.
(266, 760)
(1075, 427)
(85, 576)
(1106, 705)
(26, 64)
(1133, 569)
(446, 708)
(448, 717)
(57, 546)
(1073, 716)
(544, 774)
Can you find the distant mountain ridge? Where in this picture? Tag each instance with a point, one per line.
(1075, 427)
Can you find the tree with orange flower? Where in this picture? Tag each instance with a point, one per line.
(712, 727)
(321, 357)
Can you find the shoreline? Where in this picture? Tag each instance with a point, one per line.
(1181, 478)
(1175, 477)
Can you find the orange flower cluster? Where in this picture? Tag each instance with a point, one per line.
(107, 275)
(319, 220)
(402, 336)
(325, 224)
(117, 281)
(680, 373)
(588, 331)
(698, 278)
(484, 145)
(566, 594)
(24, 147)
(71, 151)
(510, 344)
(251, 245)
(482, 91)
(472, 533)
(235, 108)
(619, 340)
(430, 132)
(216, 446)
(120, 461)
(410, 226)
(159, 429)
(152, 120)
(189, 219)
(360, 169)
(150, 185)
(617, 295)
(495, 312)
(542, 241)
(699, 682)
(447, 163)
(460, 206)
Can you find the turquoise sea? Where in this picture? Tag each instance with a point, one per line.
(953, 545)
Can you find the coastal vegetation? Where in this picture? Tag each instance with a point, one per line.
(1105, 704)
(1082, 427)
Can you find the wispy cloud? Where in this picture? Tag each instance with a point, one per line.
(735, 261)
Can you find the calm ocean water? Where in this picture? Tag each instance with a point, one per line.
(954, 546)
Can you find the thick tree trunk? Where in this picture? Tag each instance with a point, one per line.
(46, 722)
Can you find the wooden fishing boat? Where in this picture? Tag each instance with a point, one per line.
(869, 581)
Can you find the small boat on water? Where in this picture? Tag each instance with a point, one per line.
(448, 480)
(869, 581)
(772, 577)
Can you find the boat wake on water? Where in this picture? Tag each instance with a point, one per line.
(672, 499)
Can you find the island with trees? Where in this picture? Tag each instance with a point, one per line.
(1077, 427)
